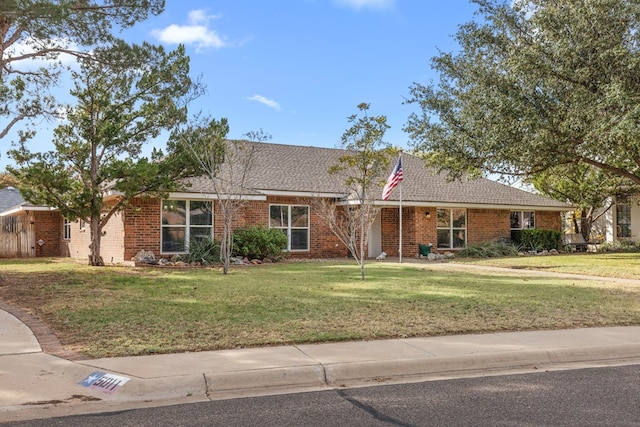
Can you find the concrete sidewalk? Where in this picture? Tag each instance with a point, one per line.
(34, 384)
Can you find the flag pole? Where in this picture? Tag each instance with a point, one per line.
(400, 207)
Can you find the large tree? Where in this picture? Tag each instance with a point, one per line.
(591, 190)
(362, 169)
(7, 180)
(226, 164)
(536, 84)
(98, 150)
(35, 33)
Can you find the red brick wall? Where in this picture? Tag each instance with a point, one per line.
(483, 225)
(416, 229)
(486, 225)
(47, 227)
(141, 225)
(549, 220)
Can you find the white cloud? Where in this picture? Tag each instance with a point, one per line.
(366, 4)
(196, 32)
(266, 101)
(30, 46)
(62, 113)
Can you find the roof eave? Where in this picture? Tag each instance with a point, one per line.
(315, 194)
(214, 196)
(436, 204)
(23, 209)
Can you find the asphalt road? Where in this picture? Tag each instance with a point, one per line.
(582, 397)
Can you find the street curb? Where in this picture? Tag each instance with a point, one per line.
(340, 375)
(351, 374)
(360, 373)
(266, 380)
(604, 353)
(165, 388)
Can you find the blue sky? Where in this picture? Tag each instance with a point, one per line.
(298, 68)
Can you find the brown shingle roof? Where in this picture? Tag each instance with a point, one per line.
(299, 169)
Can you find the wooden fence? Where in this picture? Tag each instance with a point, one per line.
(17, 237)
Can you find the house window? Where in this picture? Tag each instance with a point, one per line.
(452, 228)
(293, 220)
(623, 218)
(83, 225)
(66, 230)
(521, 220)
(183, 221)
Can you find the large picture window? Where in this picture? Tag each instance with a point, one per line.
(293, 220)
(183, 221)
(452, 228)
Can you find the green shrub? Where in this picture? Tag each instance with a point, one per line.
(259, 243)
(487, 250)
(205, 251)
(538, 239)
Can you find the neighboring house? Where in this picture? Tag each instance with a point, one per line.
(284, 181)
(621, 222)
(27, 230)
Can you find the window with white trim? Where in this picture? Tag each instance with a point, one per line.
(521, 220)
(184, 221)
(293, 220)
(623, 217)
(452, 228)
(66, 230)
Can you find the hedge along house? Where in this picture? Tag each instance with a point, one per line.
(284, 182)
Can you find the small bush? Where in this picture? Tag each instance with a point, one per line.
(487, 250)
(538, 239)
(204, 251)
(259, 243)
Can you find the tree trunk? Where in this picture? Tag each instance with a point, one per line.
(362, 240)
(226, 245)
(574, 221)
(95, 258)
(586, 222)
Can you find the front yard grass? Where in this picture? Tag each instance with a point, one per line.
(118, 311)
(620, 265)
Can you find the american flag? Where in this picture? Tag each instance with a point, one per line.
(394, 180)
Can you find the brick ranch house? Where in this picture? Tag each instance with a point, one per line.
(285, 179)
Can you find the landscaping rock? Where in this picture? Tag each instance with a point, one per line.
(144, 256)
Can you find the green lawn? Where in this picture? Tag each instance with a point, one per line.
(128, 311)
